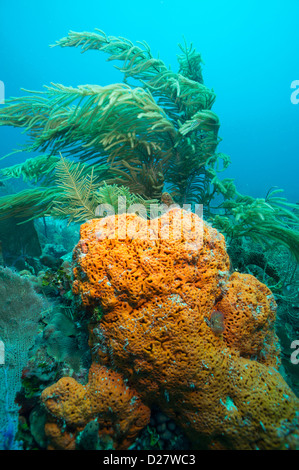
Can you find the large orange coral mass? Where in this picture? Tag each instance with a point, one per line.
(157, 286)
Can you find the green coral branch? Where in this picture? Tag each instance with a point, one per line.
(28, 204)
(188, 95)
(140, 139)
(76, 200)
(50, 120)
(33, 169)
(190, 63)
(75, 194)
(113, 124)
(120, 199)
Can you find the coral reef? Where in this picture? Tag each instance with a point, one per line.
(194, 341)
(151, 289)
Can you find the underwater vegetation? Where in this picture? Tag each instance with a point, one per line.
(142, 332)
(157, 134)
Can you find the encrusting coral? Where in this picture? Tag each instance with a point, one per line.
(150, 287)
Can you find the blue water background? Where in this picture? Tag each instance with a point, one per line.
(250, 51)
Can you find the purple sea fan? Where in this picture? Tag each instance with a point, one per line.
(216, 322)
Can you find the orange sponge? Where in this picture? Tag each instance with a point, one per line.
(249, 309)
(158, 286)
